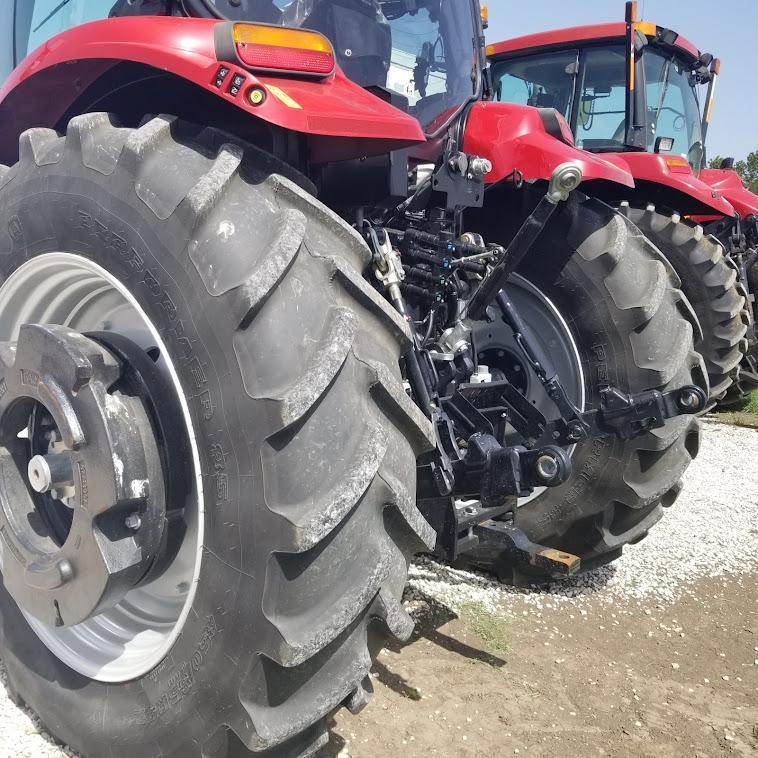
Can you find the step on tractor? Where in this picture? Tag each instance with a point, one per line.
(285, 299)
(641, 96)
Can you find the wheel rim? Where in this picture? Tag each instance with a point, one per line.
(129, 640)
(495, 341)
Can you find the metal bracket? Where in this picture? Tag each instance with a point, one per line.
(523, 552)
(461, 178)
(629, 416)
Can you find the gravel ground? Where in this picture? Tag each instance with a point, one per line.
(710, 531)
(700, 562)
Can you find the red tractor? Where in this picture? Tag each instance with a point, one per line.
(632, 92)
(334, 307)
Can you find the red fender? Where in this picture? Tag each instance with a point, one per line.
(729, 184)
(513, 137)
(345, 120)
(672, 172)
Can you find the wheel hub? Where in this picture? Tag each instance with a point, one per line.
(82, 493)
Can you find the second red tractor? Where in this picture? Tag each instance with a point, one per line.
(641, 96)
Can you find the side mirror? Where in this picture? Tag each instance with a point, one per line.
(705, 59)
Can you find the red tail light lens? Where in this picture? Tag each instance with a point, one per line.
(277, 48)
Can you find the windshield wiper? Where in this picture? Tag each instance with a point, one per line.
(664, 89)
(52, 13)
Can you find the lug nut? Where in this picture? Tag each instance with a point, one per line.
(66, 571)
(47, 471)
(547, 468)
(133, 521)
(575, 431)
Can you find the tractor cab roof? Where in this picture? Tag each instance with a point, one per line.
(582, 35)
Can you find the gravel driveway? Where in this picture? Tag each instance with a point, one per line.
(655, 655)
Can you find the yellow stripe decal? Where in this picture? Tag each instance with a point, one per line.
(283, 97)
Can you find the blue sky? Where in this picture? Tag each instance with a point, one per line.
(728, 29)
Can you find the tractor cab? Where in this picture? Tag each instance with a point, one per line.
(624, 87)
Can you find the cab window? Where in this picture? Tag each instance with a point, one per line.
(601, 115)
(6, 40)
(542, 81)
(673, 108)
(39, 20)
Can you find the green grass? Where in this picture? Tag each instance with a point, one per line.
(745, 414)
(752, 404)
(490, 628)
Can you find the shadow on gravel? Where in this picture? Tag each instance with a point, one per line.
(428, 623)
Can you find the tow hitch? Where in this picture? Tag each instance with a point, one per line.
(492, 476)
(494, 446)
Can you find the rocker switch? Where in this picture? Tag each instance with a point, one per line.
(221, 74)
(237, 81)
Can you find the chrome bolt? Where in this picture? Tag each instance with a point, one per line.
(66, 571)
(133, 521)
(689, 399)
(547, 468)
(46, 471)
(480, 167)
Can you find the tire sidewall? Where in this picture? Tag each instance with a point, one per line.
(566, 516)
(64, 208)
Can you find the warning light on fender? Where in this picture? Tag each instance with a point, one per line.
(279, 49)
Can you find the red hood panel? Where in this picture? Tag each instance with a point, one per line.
(514, 137)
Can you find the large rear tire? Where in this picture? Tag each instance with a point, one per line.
(634, 330)
(710, 282)
(287, 362)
